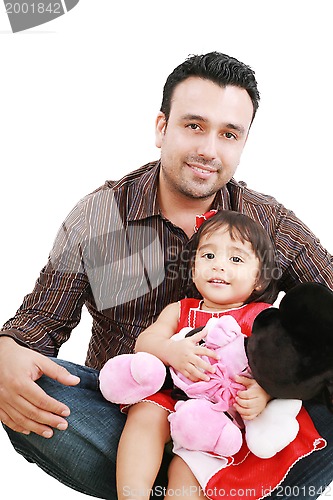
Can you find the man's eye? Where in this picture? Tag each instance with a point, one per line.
(193, 126)
(209, 256)
(230, 135)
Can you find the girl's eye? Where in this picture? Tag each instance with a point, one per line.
(209, 256)
(236, 259)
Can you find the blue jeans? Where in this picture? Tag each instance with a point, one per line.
(83, 457)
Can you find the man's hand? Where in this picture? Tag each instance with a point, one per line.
(185, 356)
(24, 406)
(251, 401)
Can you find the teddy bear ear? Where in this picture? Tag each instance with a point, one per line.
(291, 348)
(306, 310)
(277, 365)
(272, 357)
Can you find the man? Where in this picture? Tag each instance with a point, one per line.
(122, 253)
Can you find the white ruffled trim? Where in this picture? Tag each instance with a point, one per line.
(315, 444)
(125, 407)
(315, 448)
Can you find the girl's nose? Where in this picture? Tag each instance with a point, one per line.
(219, 265)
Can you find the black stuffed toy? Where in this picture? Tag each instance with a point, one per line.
(290, 350)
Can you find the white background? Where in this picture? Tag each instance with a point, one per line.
(78, 101)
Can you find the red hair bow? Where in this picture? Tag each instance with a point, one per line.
(200, 219)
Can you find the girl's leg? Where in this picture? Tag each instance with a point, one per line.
(140, 450)
(182, 482)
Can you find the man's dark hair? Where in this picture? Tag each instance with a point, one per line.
(216, 67)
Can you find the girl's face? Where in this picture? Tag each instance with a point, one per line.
(225, 270)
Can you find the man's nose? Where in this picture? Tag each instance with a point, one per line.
(207, 147)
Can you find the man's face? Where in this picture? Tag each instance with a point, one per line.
(202, 142)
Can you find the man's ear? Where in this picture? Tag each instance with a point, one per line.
(160, 127)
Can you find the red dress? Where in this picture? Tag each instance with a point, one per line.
(244, 474)
(192, 316)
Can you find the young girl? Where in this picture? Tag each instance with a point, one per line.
(233, 270)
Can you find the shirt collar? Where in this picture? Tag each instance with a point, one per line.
(142, 195)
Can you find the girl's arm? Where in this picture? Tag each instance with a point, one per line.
(183, 355)
(155, 339)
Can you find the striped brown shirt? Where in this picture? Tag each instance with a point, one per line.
(116, 254)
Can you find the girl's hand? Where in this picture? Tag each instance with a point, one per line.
(251, 401)
(185, 357)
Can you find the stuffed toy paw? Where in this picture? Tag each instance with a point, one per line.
(128, 378)
(198, 425)
(274, 428)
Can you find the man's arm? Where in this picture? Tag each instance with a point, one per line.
(43, 322)
(300, 255)
(50, 312)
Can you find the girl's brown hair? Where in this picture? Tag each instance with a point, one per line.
(243, 228)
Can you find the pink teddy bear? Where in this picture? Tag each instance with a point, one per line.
(201, 422)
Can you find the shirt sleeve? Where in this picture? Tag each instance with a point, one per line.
(300, 254)
(51, 311)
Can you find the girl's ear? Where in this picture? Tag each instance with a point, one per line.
(193, 272)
